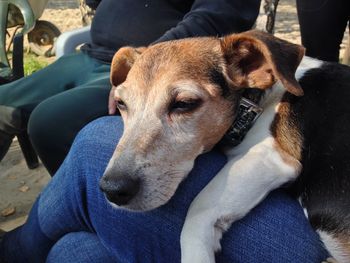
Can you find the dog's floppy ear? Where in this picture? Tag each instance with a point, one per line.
(122, 62)
(257, 59)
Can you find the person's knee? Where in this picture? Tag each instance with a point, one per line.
(47, 135)
(78, 247)
(38, 125)
(279, 228)
(103, 132)
(44, 128)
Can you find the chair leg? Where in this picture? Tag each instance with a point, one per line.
(28, 151)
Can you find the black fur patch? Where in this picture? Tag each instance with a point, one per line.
(323, 114)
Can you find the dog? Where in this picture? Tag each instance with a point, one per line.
(286, 115)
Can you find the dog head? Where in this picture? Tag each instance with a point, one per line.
(177, 99)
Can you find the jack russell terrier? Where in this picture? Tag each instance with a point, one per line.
(285, 116)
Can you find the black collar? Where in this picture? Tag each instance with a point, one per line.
(248, 112)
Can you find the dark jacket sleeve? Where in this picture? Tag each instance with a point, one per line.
(93, 3)
(215, 17)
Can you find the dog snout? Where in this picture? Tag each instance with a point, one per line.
(120, 190)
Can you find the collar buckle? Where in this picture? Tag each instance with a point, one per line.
(248, 113)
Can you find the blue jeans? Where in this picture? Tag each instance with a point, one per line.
(72, 222)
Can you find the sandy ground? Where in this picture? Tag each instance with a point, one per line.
(19, 186)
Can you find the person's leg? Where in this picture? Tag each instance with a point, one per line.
(322, 26)
(276, 231)
(55, 122)
(19, 98)
(5, 143)
(79, 247)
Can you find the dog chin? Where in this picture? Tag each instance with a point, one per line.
(136, 206)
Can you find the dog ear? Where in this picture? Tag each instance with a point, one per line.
(122, 63)
(257, 59)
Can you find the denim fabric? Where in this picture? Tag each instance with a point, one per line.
(78, 247)
(275, 231)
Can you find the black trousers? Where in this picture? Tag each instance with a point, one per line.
(322, 26)
(54, 104)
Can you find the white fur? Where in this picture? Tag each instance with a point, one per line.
(304, 209)
(306, 64)
(334, 247)
(254, 168)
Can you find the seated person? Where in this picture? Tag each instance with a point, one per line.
(71, 221)
(56, 102)
(322, 26)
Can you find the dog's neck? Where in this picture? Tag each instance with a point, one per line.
(248, 112)
(254, 95)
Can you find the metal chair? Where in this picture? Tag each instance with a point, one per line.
(29, 23)
(8, 73)
(267, 16)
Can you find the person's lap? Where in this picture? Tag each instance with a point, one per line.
(55, 122)
(57, 101)
(78, 247)
(275, 231)
(27, 92)
(20, 97)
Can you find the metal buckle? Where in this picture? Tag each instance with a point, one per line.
(251, 107)
(248, 113)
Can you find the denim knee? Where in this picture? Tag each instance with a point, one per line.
(79, 247)
(97, 135)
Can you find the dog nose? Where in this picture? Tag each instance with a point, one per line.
(119, 190)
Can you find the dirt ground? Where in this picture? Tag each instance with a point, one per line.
(19, 186)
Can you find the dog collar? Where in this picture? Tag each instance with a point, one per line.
(248, 113)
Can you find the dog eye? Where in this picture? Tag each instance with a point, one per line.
(183, 106)
(120, 104)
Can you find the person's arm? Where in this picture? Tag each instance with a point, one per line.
(209, 18)
(93, 3)
(215, 18)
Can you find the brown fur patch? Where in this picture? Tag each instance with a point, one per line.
(186, 60)
(287, 134)
(258, 59)
(122, 62)
(344, 242)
